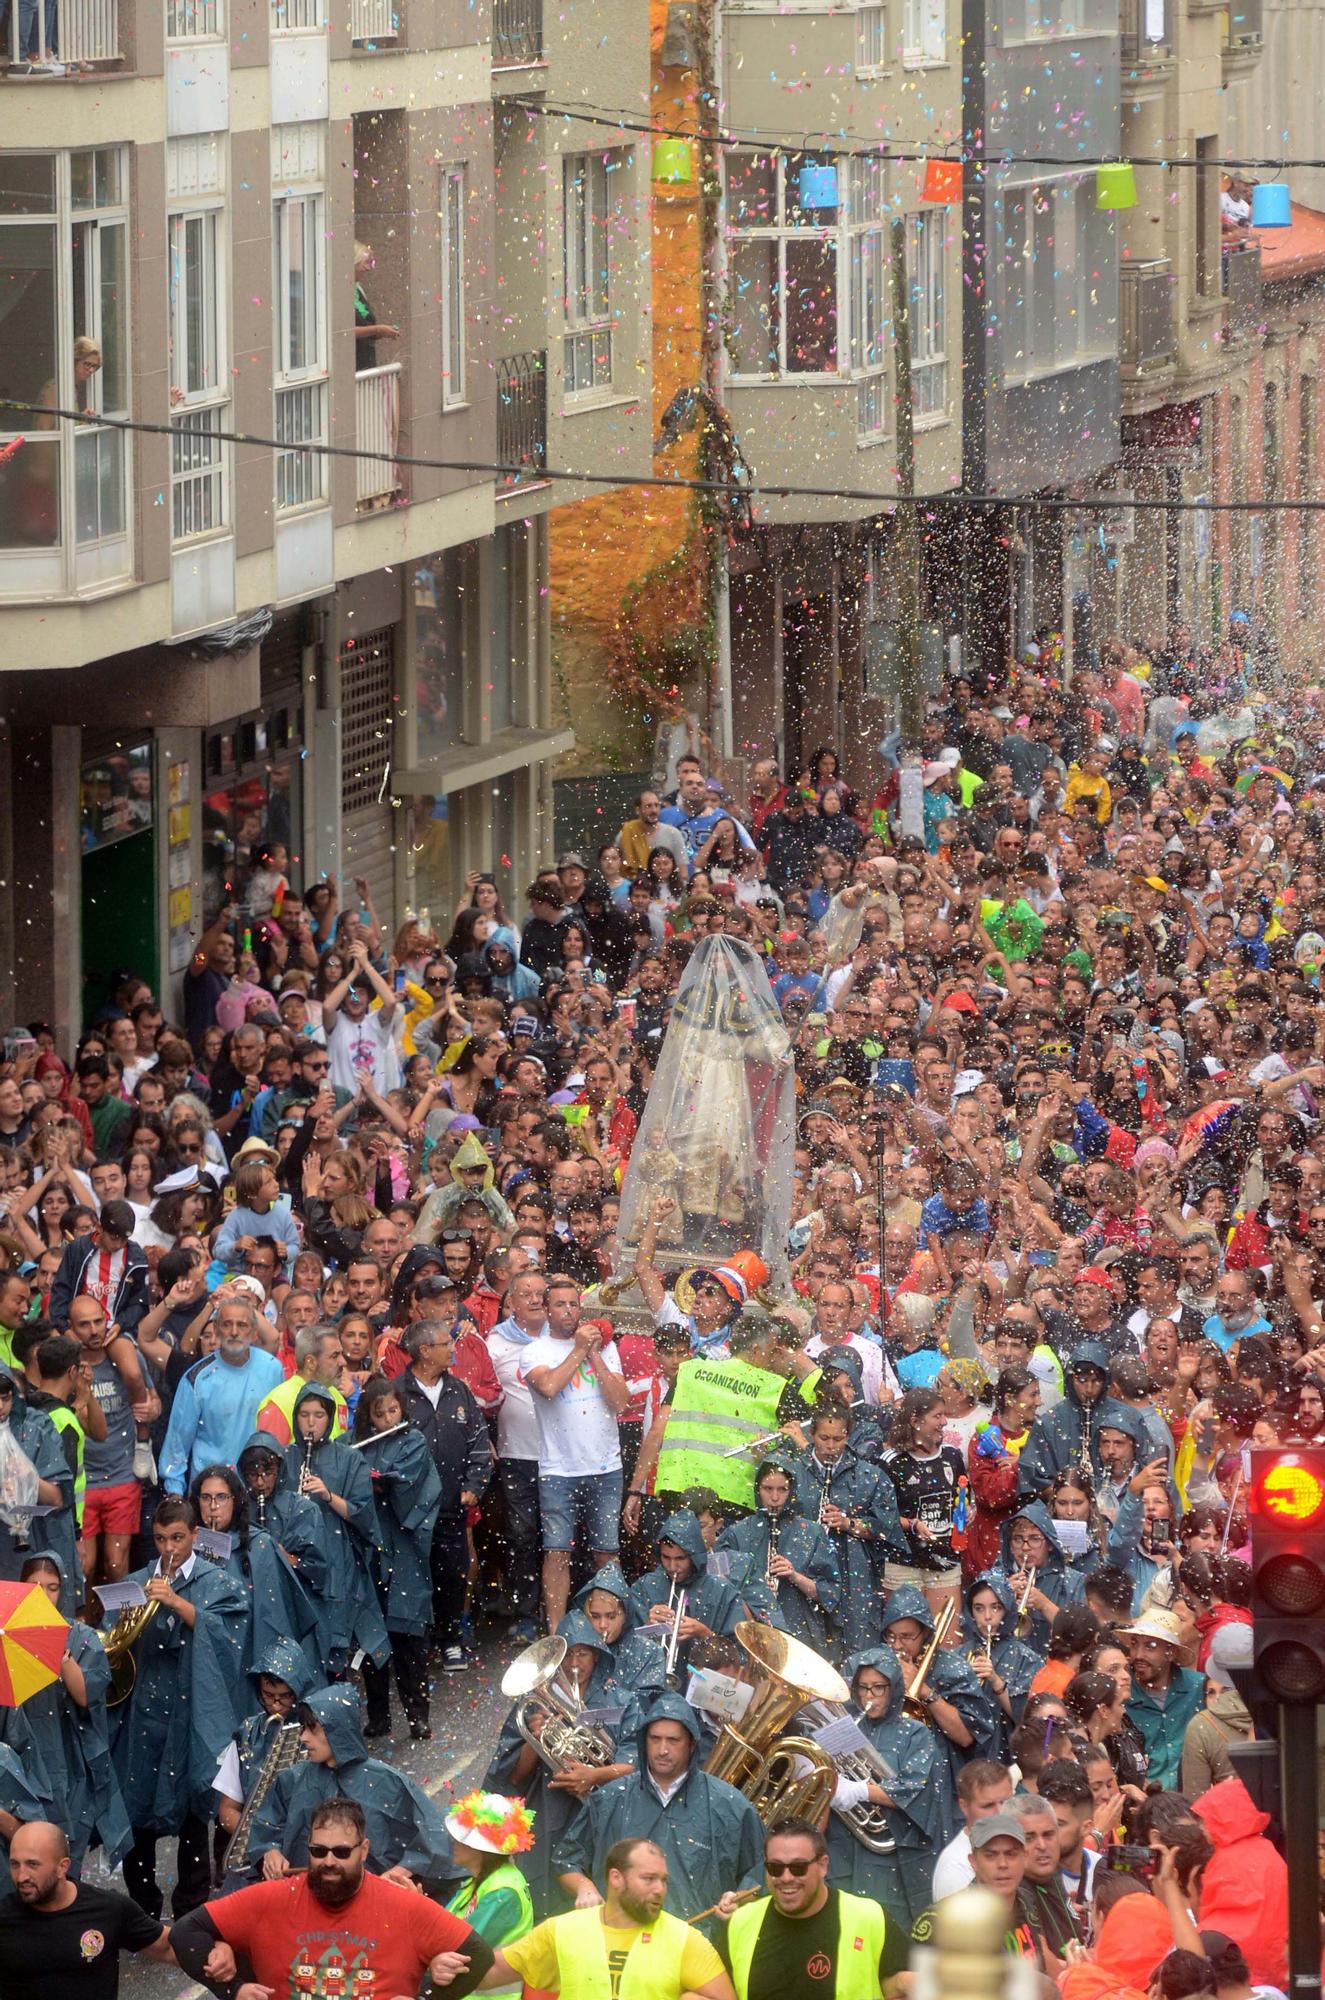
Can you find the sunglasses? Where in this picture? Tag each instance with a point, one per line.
(315, 1066)
(437, 982)
(800, 1869)
(321, 1851)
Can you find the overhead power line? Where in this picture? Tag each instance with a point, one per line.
(955, 498)
(901, 152)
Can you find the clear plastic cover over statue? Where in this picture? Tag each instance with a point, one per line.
(719, 1129)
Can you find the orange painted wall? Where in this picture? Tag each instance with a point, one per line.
(600, 546)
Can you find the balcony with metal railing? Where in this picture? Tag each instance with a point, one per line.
(521, 421)
(86, 36)
(1242, 289)
(1149, 340)
(377, 415)
(1147, 39)
(517, 44)
(1242, 43)
(374, 23)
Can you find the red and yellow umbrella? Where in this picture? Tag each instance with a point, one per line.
(32, 1642)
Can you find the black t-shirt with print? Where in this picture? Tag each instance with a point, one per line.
(927, 1491)
(795, 1958)
(73, 1952)
(1021, 1939)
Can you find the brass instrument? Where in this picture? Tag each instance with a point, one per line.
(676, 1606)
(120, 1640)
(756, 1756)
(1023, 1604)
(285, 1748)
(564, 1738)
(912, 1705)
(868, 1822)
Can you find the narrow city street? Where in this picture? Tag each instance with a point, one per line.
(467, 1714)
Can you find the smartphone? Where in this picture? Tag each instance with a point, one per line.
(1129, 1859)
(626, 1013)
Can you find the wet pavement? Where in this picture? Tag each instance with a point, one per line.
(467, 1713)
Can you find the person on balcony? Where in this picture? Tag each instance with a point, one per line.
(368, 330)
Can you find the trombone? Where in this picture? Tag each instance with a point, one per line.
(912, 1704)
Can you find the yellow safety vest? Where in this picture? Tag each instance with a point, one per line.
(283, 1399)
(652, 1970)
(861, 1930)
(718, 1403)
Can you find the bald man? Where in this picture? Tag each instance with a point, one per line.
(59, 1936)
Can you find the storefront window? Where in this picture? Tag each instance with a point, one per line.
(254, 800)
(116, 796)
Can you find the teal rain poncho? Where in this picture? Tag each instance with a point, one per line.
(710, 1833)
(902, 1880)
(405, 1828)
(171, 1734)
(349, 1615)
(953, 1680)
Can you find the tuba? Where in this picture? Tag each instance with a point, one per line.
(912, 1706)
(285, 1748)
(757, 1757)
(531, 1683)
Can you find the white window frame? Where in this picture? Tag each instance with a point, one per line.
(588, 356)
(926, 274)
(867, 287)
(299, 385)
(200, 459)
(871, 38)
(1056, 276)
(924, 33)
(455, 360)
(78, 560)
(785, 234)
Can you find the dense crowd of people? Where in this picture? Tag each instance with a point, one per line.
(311, 1369)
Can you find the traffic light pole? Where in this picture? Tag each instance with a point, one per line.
(1297, 1745)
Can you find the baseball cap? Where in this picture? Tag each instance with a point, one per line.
(1094, 1274)
(524, 1024)
(998, 1826)
(960, 1003)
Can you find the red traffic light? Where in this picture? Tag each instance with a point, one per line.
(1290, 1493)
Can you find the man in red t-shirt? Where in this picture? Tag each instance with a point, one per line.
(336, 1930)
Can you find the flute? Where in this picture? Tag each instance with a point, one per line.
(378, 1437)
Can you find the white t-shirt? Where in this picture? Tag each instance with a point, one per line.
(873, 1362)
(953, 1870)
(368, 1044)
(577, 1433)
(517, 1419)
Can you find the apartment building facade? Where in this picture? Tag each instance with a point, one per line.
(212, 638)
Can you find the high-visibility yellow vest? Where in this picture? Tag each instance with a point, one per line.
(65, 1419)
(717, 1404)
(276, 1410)
(860, 1934)
(652, 1970)
(468, 1898)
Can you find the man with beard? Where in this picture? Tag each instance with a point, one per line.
(388, 1938)
(575, 1955)
(63, 1934)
